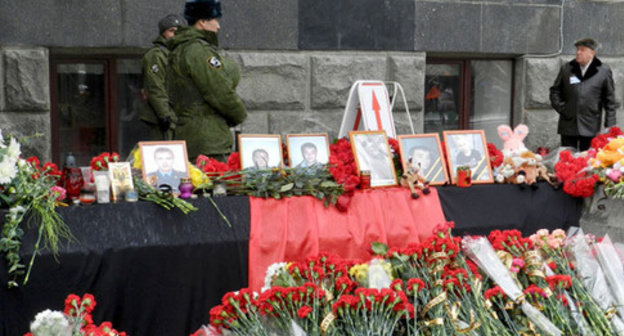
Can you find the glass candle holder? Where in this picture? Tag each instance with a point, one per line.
(219, 189)
(131, 196)
(186, 188)
(365, 179)
(102, 186)
(464, 177)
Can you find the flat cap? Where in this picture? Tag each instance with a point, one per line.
(587, 42)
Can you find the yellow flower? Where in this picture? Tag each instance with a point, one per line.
(197, 176)
(136, 155)
(388, 269)
(360, 273)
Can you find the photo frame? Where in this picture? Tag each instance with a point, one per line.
(372, 153)
(307, 151)
(120, 175)
(468, 148)
(260, 151)
(424, 151)
(164, 162)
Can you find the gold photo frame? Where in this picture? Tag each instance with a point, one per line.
(164, 162)
(260, 151)
(372, 153)
(425, 152)
(468, 148)
(307, 150)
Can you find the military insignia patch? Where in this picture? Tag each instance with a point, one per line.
(154, 68)
(214, 62)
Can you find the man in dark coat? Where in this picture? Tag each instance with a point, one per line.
(583, 88)
(202, 84)
(157, 113)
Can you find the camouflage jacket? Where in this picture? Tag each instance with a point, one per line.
(202, 89)
(154, 67)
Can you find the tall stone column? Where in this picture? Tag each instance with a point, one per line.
(25, 97)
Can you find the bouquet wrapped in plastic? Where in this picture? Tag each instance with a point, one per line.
(594, 289)
(481, 252)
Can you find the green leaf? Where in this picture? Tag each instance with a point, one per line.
(379, 248)
(287, 187)
(401, 257)
(328, 184)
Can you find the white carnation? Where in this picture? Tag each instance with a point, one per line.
(50, 323)
(8, 170)
(271, 272)
(14, 150)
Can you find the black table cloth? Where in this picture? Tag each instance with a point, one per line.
(157, 272)
(479, 209)
(152, 271)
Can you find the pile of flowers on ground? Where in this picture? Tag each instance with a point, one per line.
(607, 161)
(75, 320)
(603, 163)
(503, 284)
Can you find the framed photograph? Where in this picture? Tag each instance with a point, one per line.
(120, 175)
(424, 151)
(372, 153)
(468, 148)
(307, 151)
(260, 151)
(164, 162)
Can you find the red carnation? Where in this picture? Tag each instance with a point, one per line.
(88, 301)
(494, 292)
(559, 281)
(415, 285)
(234, 162)
(496, 156)
(304, 311)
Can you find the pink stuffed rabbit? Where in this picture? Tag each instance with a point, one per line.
(513, 140)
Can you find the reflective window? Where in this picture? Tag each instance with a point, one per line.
(131, 128)
(442, 104)
(95, 107)
(81, 126)
(468, 94)
(491, 97)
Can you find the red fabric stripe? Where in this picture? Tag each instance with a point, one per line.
(292, 229)
(358, 116)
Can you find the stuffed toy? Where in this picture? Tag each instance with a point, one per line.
(532, 169)
(520, 165)
(611, 153)
(506, 171)
(414, 179)
(513, 140)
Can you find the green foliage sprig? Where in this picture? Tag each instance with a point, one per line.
(279, 183)
(166, 200)
(30, 197)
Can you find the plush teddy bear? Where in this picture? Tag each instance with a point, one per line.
(506, 171)
(520, 165)
(414, 179)
(532, 169)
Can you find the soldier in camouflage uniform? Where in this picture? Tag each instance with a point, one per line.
(202, 84)
(157, 113)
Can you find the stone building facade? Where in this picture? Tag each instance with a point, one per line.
(299, 58)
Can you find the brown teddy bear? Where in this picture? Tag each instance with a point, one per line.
(414, 179)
